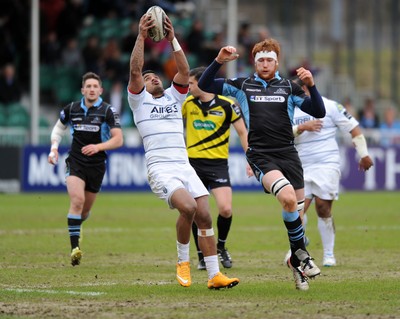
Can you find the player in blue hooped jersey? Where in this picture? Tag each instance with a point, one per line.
(268, 103)
(95, 128)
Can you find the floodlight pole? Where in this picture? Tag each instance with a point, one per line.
(232, 24)
(34, 107)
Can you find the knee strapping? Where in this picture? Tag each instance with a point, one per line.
(300, 205)
(278, 185)
(205, 232)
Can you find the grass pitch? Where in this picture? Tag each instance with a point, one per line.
(128, 267)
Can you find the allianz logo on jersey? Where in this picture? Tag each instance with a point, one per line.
(86, 128)
(280, 91)
(206, 125)
(268, 99)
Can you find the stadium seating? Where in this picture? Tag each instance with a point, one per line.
(17, 116)
(68, 84)
(3, 116)
(43, 122)
(105, 28)
(47, 77)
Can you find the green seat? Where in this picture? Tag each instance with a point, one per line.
(111, 33)
(15, 108)
(125, 23)
(3, 117)
(69, 74)
(47, 77)
(192, 60)
(68, 84)
(65, 94)
(18, 118)
(90, 29)
(43, 122)
(110, 28)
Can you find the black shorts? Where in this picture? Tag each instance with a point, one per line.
(287, 161)
(91, 174)
(213, 173)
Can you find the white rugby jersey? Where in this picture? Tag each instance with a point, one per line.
(320, 148)
(159, 122)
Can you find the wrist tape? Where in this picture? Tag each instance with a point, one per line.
(361, 145)
(175, 45)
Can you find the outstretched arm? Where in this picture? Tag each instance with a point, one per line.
(315, 105)
(208, 82)
(182, 77)
(136, 83)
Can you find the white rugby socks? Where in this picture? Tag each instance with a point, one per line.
(183, 251)
(212, 265)
(326, 229)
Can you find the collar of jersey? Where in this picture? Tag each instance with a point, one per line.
(96, 104)
(263, 82)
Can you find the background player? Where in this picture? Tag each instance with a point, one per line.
(319, 153)
(95, 129)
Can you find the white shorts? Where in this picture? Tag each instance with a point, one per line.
(321, 182)
(165, 179)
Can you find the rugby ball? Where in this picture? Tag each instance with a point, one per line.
(157, 33)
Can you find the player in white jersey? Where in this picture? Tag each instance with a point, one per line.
(315, 140)
(158, 117)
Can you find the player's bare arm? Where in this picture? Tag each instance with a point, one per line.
(306, 76)
(241, 130)
(365, 163)
(56, 135)
(312, 126)
(115, 141)
(136, 82)
(169, 28)
(360, 144)
(182, 77)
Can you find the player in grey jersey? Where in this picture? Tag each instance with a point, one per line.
(315, 141)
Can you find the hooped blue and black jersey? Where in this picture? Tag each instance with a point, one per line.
(89, 126)
(267, 106)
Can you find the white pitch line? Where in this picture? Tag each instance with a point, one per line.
(48, 291)
(339, 227)
(96, 230)
(24, 232)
